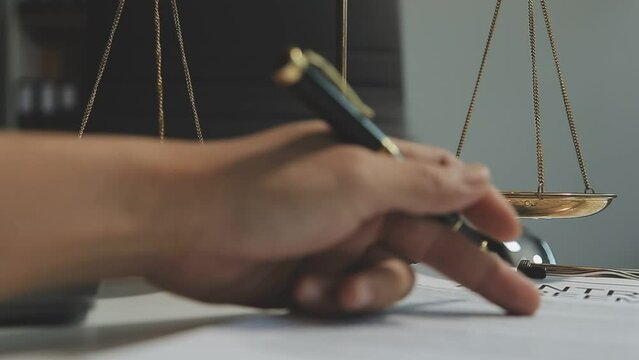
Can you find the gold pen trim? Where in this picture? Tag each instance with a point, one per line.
(389, 146)
(299, 61)
(291, 73)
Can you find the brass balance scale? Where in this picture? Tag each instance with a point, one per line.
(532, 205)
(541, 204)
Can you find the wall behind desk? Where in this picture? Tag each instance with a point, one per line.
(443, 41)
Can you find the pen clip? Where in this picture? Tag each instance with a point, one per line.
(300, 61)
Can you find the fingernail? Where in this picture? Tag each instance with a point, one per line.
(363, 298)
(310, 292)
(476, 173)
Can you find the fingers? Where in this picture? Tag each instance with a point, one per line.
(432, 181)
(466, 189)
(419, 188)
(462, 261)
(494, 216)
(376, 287)
(427, 189)
(483, 273)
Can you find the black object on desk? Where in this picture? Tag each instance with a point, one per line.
(318, 84)
(61, 307)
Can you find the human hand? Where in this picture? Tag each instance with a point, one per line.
(288, 218)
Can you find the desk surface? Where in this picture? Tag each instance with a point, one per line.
(127, 312)
(580, 318)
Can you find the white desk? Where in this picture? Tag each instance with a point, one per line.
(580, 318)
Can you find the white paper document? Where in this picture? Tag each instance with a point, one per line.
(581, 318)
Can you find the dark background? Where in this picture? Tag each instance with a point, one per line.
(233, 47)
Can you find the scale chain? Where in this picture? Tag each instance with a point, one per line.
(535, 94)
(473, 101)
(536, 97)
(159, 80)
(564, 92)
(101, 68)
(342, 8)
(187, 72)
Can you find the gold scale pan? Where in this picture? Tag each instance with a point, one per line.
(533, 205)
(541, 204)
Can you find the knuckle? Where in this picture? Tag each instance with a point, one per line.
(447, 159)
(442, 187)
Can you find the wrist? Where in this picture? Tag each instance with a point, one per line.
(80, 212)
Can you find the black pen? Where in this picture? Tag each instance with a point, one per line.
(321, 87)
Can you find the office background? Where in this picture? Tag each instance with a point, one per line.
(442, 44)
